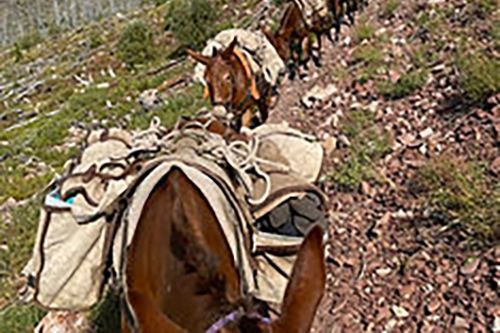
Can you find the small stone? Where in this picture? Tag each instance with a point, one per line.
(347, 41)
(460, 322)
(383, 272)
(433, 306)
(390, 325)
(403, 215)
(426, 133)
(150, 99)
(407, 139)
(438, 68)
(329, 145)
(423, 149)
(496, 325)
(318, 93)
(103, 85)
(344, 140)
(399, 311)
(495, 165)
(470, 266)
(367, 189)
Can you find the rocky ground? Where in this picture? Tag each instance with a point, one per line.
(391, 266)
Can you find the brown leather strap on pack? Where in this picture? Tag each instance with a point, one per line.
(248, 72)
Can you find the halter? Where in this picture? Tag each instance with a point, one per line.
(251, 93)
(232, 317)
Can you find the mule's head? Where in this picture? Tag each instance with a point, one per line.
(302, 295)
(219, 74)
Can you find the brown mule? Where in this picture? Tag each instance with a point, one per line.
(231, 84)
(292, 32)
(181, 276)
(292, 38)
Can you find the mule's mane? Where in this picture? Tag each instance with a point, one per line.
(196, 257)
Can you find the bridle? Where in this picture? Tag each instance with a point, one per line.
(228, 105)
(232, 317)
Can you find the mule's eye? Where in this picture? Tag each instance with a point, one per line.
(227, 77)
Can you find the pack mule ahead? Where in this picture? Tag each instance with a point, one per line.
(91, 217)
(304, 17)
(240, 69)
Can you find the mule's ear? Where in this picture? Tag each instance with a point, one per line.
(305, 288)
(230, 48)
(199, 57)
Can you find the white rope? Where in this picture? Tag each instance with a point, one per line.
(239, 155)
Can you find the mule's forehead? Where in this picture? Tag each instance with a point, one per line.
(218, 66)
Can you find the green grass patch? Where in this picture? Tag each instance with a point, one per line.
(432, 22)
(371, 61)
(495, 33)
(191, 22)
(390, 8)
(29, 40)
(369, 54)
(483, 8)
(18, 237)
(407, 84)
(19, 182)
(20, 319)
(339, 73)
(460, 193)
(136, 46)
(479, 75)
(364, 31)
(368, 144)
(105, 316)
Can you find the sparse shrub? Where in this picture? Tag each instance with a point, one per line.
(17, 53)
(368, 54)
(191, 22)
(495, 33)
(483, 8)
(95, 39)
(364, 31)
(20, 318)
(479, 76)
(422, 56)
(18, 236)
(105, 316)
(54, 29)
(405, 85)
(371, 58)
(368, 144)
(459, 193)
(136, 45)
(431, 22)
(390, 8)
(28, 40)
